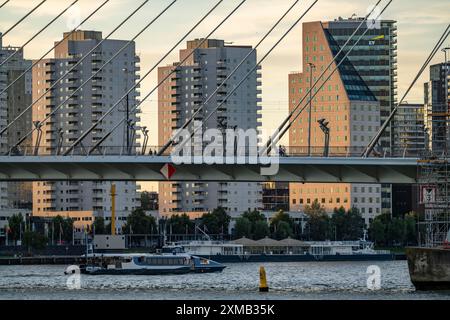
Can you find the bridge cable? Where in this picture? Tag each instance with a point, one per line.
(38, 33)
(4, 3)
(246, 76)
(375, 139)
(217, 89)
(49, 115)
(203, 40)
(23, 18)
(88, 54)
(35, 62)
(277, 136)
(213, 94)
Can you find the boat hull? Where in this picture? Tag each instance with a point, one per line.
(149, 272)
(208, 269)
(261, 258)
(429, 268)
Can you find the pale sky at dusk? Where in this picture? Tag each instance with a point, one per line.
(420, 24)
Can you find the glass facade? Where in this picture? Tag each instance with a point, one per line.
(374, 58)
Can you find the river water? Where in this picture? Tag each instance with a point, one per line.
(239, 281)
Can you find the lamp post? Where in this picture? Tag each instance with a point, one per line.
(145, 132)
(311, 67)
(447, 124)
(324, 127)
(127, 110)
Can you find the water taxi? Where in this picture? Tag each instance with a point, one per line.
(147, 264)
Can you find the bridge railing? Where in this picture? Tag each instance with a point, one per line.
(248, 151)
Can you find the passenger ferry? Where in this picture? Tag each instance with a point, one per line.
(147, 264)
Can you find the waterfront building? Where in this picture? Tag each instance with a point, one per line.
(374, 57)
(12, 103)
(437, 95)
(275, 196)
(182, 94)
(353, 115)
(410, 135)
(79, 113)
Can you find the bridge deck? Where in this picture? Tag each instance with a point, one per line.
(147, 168)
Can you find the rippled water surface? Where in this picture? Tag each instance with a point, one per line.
(296, 280)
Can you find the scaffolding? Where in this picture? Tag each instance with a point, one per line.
(435, 197)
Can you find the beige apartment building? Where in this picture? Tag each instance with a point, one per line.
(79, 113)
(182, 94)
(17, 96)
(353, 114)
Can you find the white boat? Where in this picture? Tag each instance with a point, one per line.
(147, 264)
(205, 248)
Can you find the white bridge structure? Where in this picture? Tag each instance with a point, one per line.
(149, 168)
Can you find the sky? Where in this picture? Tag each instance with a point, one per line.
(420, 24)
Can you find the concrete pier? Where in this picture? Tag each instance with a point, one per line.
(429, 268)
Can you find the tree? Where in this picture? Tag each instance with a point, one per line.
(259, 227)
(254, 216)
(56, 229)
(108, 228)
(62, 228)
(396, 232)
(216, 222)
(180, 224)
(282, 216)
(347, 225)
(260, 230)
(99, 226)
(283, 230)
(410, 222)
(318, 224)
(34, 240)
(243, 228)
(148, 202)
(15, 226)
(387, 231)
(282, 225)
(377, 232)
(314, 209)
(139, 223)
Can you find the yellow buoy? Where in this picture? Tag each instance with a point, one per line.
(263, 287)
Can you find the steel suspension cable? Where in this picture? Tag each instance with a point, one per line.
(203, 40)
(3, 4)
(278, 137)
(213, 94)
(49, 115)
(375, 139)
(249, 73)
(35, 62)
(38, 33)
(23, 18)
(291, 113)
(76, 65)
